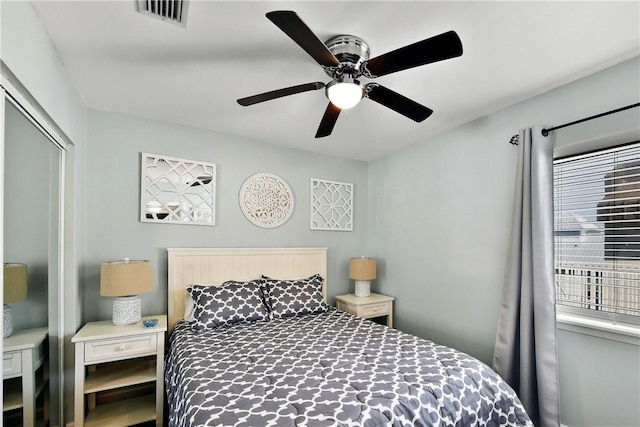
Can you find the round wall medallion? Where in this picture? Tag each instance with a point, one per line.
(266, 200)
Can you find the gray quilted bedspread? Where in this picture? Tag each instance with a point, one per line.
(330, 369)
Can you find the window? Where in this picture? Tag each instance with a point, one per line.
(597, 233)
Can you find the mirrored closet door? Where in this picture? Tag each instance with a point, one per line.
(32, 171)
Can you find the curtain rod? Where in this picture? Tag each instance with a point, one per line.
(515, 138)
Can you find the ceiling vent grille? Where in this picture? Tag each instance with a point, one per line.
(174, 11)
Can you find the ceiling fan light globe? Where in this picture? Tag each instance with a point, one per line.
(344, 95)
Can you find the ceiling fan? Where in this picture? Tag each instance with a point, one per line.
(345, 58)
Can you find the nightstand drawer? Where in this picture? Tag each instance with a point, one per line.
(346, 307)
(374, 310)
(11, 363)
(120, 348)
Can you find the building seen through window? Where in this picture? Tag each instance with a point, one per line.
(619, 211)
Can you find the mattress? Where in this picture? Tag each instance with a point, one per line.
(328, 369)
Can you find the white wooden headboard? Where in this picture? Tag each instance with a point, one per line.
(214, 266)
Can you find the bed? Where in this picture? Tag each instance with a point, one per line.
(304, 363)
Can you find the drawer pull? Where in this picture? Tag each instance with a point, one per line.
(375, 310)
(102, 350)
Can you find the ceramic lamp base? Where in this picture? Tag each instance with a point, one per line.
(7, 321)
(363, 288)
(127, 310)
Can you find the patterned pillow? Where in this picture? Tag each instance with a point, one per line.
(296, 297)
(232, 302)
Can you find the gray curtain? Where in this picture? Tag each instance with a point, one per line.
(525, 353)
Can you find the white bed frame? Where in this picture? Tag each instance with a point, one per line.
(214, 266)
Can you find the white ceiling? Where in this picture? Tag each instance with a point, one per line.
(123, 61)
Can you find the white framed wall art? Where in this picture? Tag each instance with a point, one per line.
(266, 200)
(177, 191)
(331, 205)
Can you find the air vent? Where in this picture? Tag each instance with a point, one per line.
(174, 11)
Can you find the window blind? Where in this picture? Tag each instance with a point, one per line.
(597, 232)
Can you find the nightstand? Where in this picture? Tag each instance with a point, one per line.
(375, 305)
(24, 372)
(119, 373)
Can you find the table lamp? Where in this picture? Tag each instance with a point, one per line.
(15, 289)
(125, 280)
(362, 270)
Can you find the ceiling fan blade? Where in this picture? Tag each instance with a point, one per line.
(279, 93)
(396, 102)
(328, 121)
(443, 46)
(291, 24)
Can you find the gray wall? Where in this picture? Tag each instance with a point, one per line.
(29, 54)
(599, 381)
(114, 231)
(440, 215)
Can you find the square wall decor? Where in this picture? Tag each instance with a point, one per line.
(177, 191)
(331, 205)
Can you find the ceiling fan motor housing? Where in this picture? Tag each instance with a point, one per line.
(350, 51)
